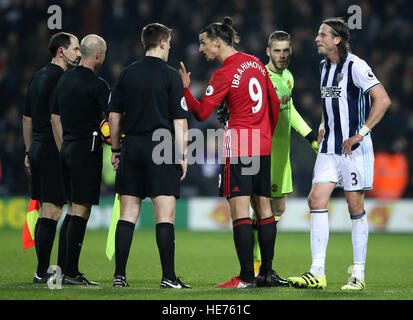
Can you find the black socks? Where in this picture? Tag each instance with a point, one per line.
(61, 255)
(267, 230)
(75, 233)
(45, 232)
(244, 245)
(123, 241)
(165, 239)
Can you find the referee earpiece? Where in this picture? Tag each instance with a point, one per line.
(62, 55)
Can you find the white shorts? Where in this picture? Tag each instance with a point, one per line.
(354, 172)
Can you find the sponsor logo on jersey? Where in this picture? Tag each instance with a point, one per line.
(285, 108)
(331, 92)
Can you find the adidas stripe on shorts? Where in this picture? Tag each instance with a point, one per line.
(237, 178)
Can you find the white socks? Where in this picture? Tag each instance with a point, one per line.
(359, 238)
(319, 233)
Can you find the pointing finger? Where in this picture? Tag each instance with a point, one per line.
(183, 67)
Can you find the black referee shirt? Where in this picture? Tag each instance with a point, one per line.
(150, 94)
(81, 98)
(38, 101)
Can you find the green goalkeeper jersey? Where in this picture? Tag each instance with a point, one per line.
(281, 177)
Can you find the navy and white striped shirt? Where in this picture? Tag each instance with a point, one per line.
(345, 99)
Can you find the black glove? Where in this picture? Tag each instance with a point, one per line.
(312, 139)
(222, 113)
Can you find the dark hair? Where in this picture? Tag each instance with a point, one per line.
(61, 39)
(340, 29)
(223, 30)
(278, 35)
(154, 33)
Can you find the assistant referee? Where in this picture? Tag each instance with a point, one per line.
(42, 156)
(81, 101)
(149, 94)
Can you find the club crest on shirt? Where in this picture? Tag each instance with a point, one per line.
(209, 90)
(284, 99)
(340, 77)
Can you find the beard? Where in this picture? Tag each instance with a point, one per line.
(281, 68)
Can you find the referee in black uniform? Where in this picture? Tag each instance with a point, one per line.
(81, 101)
(42, 156)
(149, 95)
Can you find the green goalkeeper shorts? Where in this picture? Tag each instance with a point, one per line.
(281, 179)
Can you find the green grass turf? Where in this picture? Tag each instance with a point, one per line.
(206, 258)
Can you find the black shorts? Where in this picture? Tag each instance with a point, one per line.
(82, 171)
(46, 177)
(137, 174)
(245, 176)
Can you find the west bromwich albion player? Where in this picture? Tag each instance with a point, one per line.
(346, 157)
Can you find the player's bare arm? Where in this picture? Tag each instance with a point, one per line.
(381, 102)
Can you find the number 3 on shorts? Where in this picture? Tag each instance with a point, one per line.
(354, 178)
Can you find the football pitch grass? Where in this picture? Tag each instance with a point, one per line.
(206, 258)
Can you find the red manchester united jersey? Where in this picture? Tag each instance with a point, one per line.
(252, 102)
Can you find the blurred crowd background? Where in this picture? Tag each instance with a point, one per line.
(385, 42)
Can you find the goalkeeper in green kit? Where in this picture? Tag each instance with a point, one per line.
(279, 52)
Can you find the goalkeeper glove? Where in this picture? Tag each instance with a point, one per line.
(312, 139)
(222, 113)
